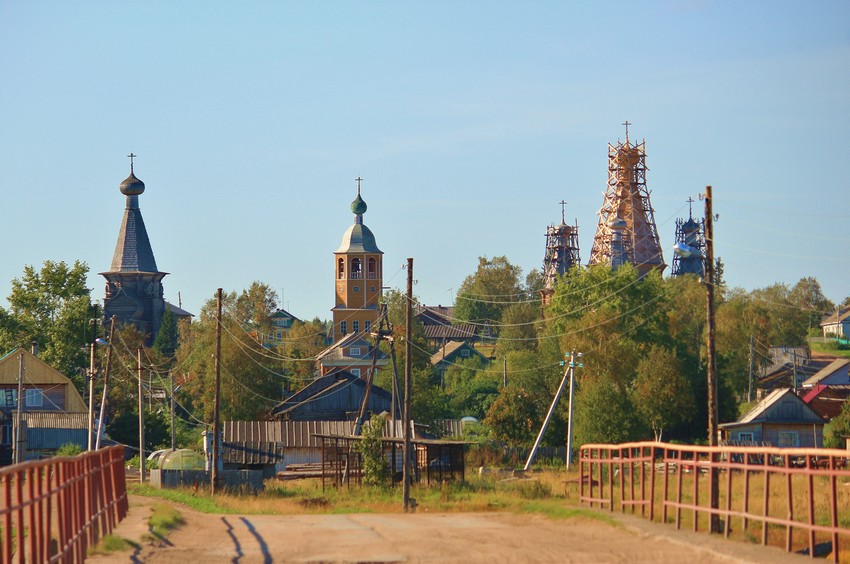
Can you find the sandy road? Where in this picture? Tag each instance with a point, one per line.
(423, 537)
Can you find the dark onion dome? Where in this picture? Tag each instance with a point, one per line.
(617, 224)
(132, 186)
(358, 206)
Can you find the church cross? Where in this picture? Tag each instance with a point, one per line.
(690, 207)
(563, 203)
(358, 179)
(131, 156)
(627, 123)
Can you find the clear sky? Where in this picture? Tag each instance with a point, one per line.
(468, 121)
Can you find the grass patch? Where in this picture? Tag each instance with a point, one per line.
(555, 510)
(112, 543)
(164, 519)
(199, 502)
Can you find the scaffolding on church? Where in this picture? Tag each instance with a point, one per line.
(562, 253)
(627, 199)
(691, 234)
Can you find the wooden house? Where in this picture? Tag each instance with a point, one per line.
(835, 373)
(45, 391)
(354, 353)
(836, 325)
(334, 397)
(453, 352)
(782, 419)
(439, 329)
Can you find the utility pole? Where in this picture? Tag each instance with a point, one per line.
(105, 384)
(141, 418)
(171, 385)
(752, 362)
(19, 440)
(712, 368)
(91, 380)
(570, 412)
(505, 373)
(216, 421)
(407, 388)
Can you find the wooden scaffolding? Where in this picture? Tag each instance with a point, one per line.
(627, 199)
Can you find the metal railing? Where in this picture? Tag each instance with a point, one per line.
(783, 497)
(54, 509)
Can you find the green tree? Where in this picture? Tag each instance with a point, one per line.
(376, 468)
(514, 417)
(604, 413)
(808, 296)
(838, 429)
(251, 376)
(165, 342)
(518, 330)
(662, 393)
(470, 388)
(299, 347)
(483, 296)
(51, 307)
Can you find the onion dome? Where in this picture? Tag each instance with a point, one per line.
(132, 186)
(358, 206)
(617, 224)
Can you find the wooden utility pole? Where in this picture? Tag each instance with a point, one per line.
(141, 418)
(19, 438)
(407, 387)
(217, 420)
(105, 384)
(173, 435)
(712, 368)
(91, 381)
(752, 362)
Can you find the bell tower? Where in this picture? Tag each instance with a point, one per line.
(358, 276)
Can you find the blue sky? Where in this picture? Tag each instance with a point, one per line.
(468, 121)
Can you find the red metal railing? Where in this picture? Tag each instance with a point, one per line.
(787, 497)
(54, 509)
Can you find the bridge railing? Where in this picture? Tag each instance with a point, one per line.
(784, 497)
(53, 510)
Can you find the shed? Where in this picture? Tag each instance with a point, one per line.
(335, 397)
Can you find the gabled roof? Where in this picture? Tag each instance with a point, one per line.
(762, 410)
(336, 352)
(835, 370)
(450, 350)
(835, 317)
(39, 373)
(283, 313)
(177, 311)
(324, 388)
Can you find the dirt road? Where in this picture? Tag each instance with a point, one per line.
(423, 537)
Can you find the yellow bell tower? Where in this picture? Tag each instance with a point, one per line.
(358, 276)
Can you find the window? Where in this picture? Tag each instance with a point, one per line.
(355, 351)
(356, 372)
(343, 327)
(9, 398)
(745, 437)
(372, 268)
(356, 326)
(464, 353)
(34, 397)
(279, 334)
(356, 268)
(788, 439)
(367, 325)
(340, 269)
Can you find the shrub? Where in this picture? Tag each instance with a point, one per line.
(375, 466)
(69, 449)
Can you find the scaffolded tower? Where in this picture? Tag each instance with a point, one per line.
(689, 232)
(562, 253)
(627, 199)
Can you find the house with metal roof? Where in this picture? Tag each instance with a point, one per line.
(836, 324)
(782, 419)
(334, 397)
(453, 352)
(45, 391)
(836, 373)
(439, 327)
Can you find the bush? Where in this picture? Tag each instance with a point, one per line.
(69, 449)
(375, 466)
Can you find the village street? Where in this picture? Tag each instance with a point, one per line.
(423, 537)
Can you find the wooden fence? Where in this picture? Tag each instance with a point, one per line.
(785, 497)
(54, 509)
